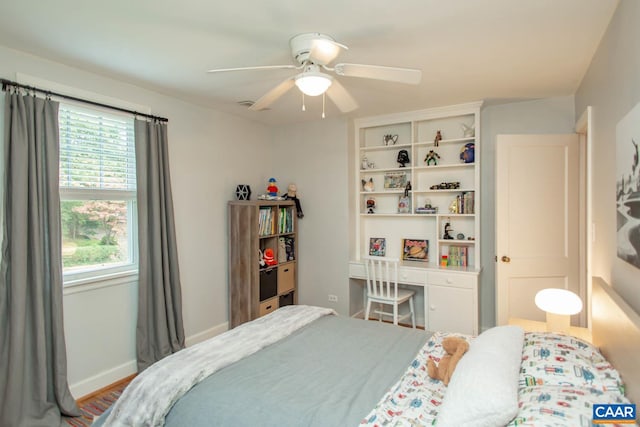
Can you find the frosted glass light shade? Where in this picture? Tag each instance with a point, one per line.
(559, 304)
(558, 301)
(312, 83)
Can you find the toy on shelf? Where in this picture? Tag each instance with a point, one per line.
(291, 194)
(467, 153)
(269, 257)
(368, 185)
(468, 131)
(403, 158)
(243, 192)
(437, 139)
(390, 139)
(371, 205)
(432, 157)
(447, 231)
(272, 188)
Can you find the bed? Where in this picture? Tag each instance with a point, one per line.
(306, 366)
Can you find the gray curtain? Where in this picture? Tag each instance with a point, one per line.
(160, 331)
(33, 362)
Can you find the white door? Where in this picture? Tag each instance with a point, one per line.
(537, 221)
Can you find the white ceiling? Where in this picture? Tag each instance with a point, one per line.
(468, 50)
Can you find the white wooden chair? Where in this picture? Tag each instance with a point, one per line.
(382, 288)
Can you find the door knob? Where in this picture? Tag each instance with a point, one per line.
(506, 258)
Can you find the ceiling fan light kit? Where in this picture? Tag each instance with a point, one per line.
(313, 83)
(313, 52)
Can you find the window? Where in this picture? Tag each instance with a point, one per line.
(97, 192)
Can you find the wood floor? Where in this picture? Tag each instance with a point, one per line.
(94, 404)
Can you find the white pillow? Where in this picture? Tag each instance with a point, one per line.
(484, 387)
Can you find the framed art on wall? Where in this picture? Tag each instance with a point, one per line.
(628, 187)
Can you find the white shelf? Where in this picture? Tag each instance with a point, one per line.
(456, 242)
(386, 147)
(449, 190)
(382, 192)
(378, 170)
(388, 214)
(446, 166)
(446, 141)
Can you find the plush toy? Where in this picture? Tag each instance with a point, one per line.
(269, 257)
(455, 347)
(291, 194)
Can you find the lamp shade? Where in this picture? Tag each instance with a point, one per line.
(558, 301)
(313, 83)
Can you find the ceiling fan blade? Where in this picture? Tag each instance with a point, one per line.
(323, 51)
(259, 67)
(379, 72)
(275, 93)
(339, 95)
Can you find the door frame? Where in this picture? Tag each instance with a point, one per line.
(587, 227)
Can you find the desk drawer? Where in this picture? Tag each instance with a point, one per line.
(356, 270)
(412, 277)
(457, 280)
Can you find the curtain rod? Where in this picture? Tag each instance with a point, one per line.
(9, 83)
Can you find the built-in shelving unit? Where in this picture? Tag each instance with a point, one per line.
(377, 162)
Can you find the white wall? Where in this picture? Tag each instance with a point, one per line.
(314, 156)
(210, 152)
(612, 87)
(544, 116)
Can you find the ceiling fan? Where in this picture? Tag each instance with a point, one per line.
(313, 53)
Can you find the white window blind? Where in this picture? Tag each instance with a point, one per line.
(97, 150)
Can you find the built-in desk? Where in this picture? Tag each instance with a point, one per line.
(450, 294)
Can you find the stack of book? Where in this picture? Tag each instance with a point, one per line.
(286, 221)
(465, 203)
(425, 210)
(266, 223)
(458, 256)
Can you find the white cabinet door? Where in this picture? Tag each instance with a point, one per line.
(451, 310)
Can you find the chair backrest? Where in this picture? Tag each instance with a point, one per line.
(382, 276)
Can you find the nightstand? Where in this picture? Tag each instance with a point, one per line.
(535, 326)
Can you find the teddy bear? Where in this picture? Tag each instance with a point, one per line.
(455, 348)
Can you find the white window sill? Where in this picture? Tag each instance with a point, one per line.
(106, 280)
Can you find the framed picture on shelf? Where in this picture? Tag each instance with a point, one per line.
(415, 250)
(377, 246)
(395, 180)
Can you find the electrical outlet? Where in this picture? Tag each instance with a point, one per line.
(333, 298)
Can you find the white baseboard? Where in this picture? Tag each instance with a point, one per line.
(103, 379)
(205, 335)
(110, 376)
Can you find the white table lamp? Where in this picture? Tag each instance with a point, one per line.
(559, 304)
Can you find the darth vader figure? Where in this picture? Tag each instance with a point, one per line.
(403, 158)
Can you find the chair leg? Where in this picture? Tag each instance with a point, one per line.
(395, 314)
(413, 314)
(366, 313)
